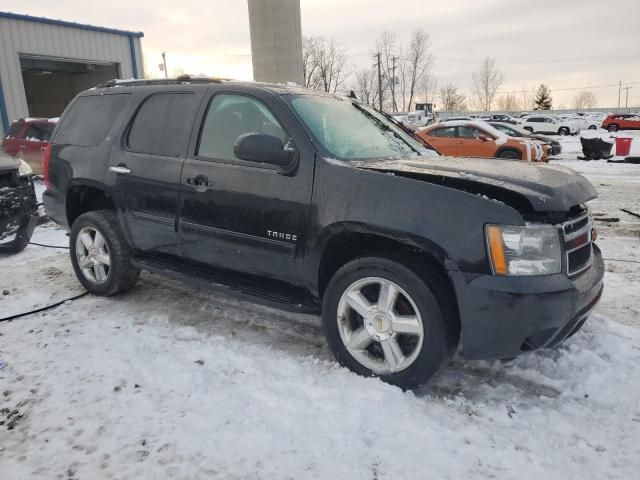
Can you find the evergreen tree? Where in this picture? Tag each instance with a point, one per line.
(543, 100)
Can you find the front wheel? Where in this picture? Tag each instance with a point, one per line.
(100, 255)
(563, 131)
(509, 155)
(528, 129)
(383, 319)
(612, 128)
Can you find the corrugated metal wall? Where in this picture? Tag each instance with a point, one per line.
(64, 42)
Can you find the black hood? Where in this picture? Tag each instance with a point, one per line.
(523, 185)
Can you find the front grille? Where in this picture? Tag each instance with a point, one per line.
(577, 243)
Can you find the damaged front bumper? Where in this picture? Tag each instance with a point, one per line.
(18, 211)
(502, 317)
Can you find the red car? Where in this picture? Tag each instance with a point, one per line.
(616, 122)
(27, 138)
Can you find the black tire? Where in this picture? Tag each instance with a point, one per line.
(510, 155)
(563, 131)
(592, 127)
(528, 129)
(435, 304)
(122, 275)
(612, 128)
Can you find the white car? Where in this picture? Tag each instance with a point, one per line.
(583, 122)
(549, 124)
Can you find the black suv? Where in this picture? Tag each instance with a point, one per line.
(314, 202)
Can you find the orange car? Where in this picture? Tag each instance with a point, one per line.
(478, 139)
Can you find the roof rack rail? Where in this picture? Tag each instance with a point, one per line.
(161, 81)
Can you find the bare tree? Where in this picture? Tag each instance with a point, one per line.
(365, 86)
(386, 45)
(420, 62)
(332, 65)
(428, 88)
(309, 61)
(324, 63)
(585, 99)
(508, 103)
(486, 82)
(527, 97)
(451, 99)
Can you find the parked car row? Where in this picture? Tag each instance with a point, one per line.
(468, 138)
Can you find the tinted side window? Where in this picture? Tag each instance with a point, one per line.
(536, 120)
(468, 132)
(162, 124)
(89, 119)
(230, 116)
(444, 132)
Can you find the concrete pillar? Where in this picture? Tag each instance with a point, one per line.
(276, 40)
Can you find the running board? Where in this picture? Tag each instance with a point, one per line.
(267, 292)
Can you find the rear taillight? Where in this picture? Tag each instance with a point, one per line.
(46, 159)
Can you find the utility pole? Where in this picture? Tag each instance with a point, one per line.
(626, 101)
(164, 62)
(619, 92)
(378, 63)
(393, 82)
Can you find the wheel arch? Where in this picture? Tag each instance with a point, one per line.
(509, 149)
(345, 242)
(85, 196)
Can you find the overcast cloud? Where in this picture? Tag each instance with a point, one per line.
(569, 44)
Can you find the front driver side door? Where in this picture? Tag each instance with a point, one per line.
(470, 143)
(240, 215)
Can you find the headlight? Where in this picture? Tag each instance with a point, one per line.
(528, 250)
(24, 169)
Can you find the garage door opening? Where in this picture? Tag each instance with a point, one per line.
(50, 84)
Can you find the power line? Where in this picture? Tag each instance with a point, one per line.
(573, 88)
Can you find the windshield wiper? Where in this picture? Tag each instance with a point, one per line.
(384, 126)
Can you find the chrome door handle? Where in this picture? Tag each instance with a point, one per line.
(120, 169)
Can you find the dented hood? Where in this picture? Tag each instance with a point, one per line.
(524, 186)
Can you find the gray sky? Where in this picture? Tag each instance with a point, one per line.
(566, 44)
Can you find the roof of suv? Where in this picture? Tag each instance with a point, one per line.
(277, 88)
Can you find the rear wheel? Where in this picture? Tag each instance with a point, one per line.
(563, 131)
(612, 128)
(100, 255)
(383, 319)
(510, 155)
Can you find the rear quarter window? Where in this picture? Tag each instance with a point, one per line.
(89, 119)
(162, 124)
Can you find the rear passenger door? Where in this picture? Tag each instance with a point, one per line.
(240, 215)
(445, 141)
(146, 170)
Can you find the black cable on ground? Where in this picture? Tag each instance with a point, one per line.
(620, 260)
(48, 246)
(42, 309)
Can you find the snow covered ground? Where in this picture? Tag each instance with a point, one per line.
(168, 381)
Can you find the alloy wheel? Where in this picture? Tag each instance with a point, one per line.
(92, 255)
(380, 325)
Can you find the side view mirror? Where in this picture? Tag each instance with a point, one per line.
(263, 148)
